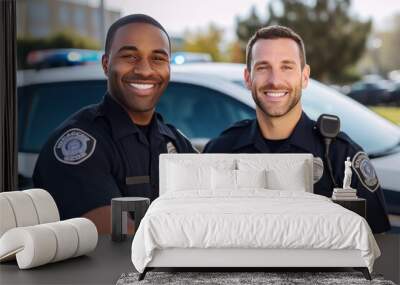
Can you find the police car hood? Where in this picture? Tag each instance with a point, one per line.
(388, 171)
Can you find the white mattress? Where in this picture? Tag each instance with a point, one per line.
(256, 218)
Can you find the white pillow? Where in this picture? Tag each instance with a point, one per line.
(283, 173)
(226, 179)
(251, 178)
(291, 179)
(182, 177)
(223, 179)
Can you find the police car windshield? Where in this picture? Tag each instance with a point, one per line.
(375, 134)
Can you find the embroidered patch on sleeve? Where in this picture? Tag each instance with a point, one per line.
(365, 171)
(74, 146)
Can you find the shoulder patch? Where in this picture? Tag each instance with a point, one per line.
(365, 171)
(74, 146)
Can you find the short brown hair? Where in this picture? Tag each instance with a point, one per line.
(275, 32)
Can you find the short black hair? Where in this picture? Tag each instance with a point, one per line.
(133, 18)
(275, 32)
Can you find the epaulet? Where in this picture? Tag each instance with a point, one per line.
(345, 138)
(240, 124)
(88, 113)
(173, 128)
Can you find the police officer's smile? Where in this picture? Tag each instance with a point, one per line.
(143, 88)
(275, 95)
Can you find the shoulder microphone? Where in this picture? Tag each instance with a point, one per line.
(329, 127)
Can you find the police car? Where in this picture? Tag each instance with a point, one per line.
(201, 100)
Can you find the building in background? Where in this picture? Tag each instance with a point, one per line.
(41, 18)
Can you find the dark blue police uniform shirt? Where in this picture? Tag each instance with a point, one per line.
(245, 137)
(98, 154)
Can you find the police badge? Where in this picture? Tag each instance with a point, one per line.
(365, 171)
(74, 146)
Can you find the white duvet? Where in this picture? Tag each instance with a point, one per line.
(250, 219)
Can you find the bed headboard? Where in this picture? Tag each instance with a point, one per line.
(281, 163)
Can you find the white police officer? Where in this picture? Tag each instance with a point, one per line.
(276, 73)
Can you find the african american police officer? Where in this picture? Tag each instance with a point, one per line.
(112, 149)
(276, 72)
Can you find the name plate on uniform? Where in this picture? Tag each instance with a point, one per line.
(132, 180)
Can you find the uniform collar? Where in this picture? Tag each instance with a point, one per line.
(163, 128)
(251, 136)
(301, 137)
(121, 123)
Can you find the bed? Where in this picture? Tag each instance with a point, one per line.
(246, 211)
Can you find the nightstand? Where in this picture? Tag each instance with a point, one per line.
(357, 205)
(120, 207)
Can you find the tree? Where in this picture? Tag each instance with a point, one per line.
(334, 39)
(246, 28)
(207, 41)
(234, 52)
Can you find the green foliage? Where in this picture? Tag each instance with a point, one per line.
(334, 40)
(65, 39)
(246, 28)
(205, 41)
(347, 76)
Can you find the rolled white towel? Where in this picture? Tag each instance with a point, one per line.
(7, 218)
(87, 235)
(66, 238)
(23, 208)
(45, 205)
(26, 208)
(33, 246)
(40, 244)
